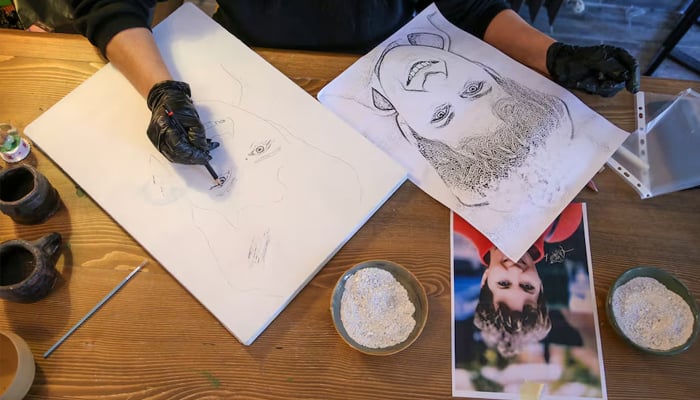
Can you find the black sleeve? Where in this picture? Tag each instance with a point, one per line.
(100, 20)
(472, 16)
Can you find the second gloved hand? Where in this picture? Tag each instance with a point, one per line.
(603, 70)
(175, 129)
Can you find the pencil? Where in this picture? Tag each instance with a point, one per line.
(182, 130)
(211, 171)
(591, 185)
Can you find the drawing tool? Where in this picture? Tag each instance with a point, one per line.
(591, 185)
(94, 309)
(182, 130)
(211, 171)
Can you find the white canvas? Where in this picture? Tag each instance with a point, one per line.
(499, 144)
(299, 181)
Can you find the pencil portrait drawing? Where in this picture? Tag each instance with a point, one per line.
(496, 142)
(239, 219)
(473, 126)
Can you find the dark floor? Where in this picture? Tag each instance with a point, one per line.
(640, 26)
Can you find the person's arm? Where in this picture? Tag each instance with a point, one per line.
(601, 69)
(119, 28)
(135, 54)
(495, 23)
(512, 35)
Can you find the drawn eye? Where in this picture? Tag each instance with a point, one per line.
(441, 113)
(260, 148)
(474, 90)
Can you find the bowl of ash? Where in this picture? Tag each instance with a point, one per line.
(379, 307)
(653, 311)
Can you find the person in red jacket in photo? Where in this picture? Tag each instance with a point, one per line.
(512, 310)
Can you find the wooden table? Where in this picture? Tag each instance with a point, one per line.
(155, 341)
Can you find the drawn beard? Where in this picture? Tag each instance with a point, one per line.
(484, 159)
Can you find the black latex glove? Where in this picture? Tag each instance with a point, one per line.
(603, 70)
(175, 128)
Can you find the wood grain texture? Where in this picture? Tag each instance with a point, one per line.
(153, 340)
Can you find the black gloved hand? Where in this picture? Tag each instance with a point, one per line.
(603, 70)
(175, 128)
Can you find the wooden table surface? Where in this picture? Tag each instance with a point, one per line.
(153, 340)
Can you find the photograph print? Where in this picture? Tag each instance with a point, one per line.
(528, 322)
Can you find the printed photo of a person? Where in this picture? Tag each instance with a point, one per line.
(512, 310)
(527, 320)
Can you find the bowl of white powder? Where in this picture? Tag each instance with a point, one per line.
(653, 311)
(379, 307)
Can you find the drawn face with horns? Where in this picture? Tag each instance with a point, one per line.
(471, 124)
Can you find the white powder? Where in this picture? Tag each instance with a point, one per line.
(651, 315)
(375, 309)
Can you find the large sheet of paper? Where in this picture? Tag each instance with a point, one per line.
(526, 331)
(300, 182)
(504, 147)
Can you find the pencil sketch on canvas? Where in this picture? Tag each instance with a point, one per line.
(258, 159)
(299, 181)
(496, 142)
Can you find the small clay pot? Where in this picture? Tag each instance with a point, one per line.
(17, 366)
(28, 269)
(26, 195)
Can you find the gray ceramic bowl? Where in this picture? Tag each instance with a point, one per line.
(671, 283)
(416, 293)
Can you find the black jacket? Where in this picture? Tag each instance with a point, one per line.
(332, 25)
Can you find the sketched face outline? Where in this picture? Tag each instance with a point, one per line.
(253, 150)
(437, 92)
(512, 283)
(501, 122)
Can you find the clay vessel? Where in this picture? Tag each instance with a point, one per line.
(28, 269)
(26, 195)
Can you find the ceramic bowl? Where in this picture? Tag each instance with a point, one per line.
(671, 283)
(416, 293)
(17, 366)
